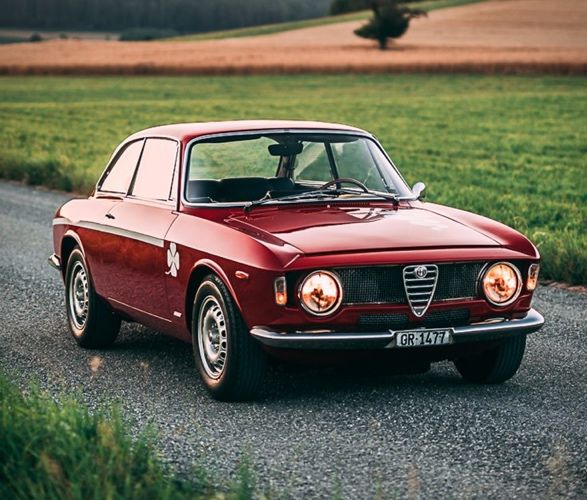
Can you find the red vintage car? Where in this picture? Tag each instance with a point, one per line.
(252, 239)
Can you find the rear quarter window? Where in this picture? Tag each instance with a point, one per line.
(155, 174)
(119, 175)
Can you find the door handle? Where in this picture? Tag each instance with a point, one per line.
(110, 216)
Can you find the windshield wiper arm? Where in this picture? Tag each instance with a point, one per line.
(302, 196)
(326, 193)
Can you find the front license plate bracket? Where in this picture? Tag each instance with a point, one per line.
(421, 338)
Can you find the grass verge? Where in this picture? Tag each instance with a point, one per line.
(511, 148)
(269, 29)
(59, 450)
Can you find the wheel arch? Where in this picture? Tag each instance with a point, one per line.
(69, 241)
(201, 269)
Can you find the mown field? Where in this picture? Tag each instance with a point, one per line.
(511, 148)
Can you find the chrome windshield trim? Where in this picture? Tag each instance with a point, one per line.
(356, 132)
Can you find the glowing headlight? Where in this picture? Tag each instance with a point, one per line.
(320, 293)
(532, 280)
(502, 284)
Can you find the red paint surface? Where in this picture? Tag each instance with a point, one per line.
(268, 241)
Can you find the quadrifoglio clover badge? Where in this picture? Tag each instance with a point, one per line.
(172, 260)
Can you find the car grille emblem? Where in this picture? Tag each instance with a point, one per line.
(419, 284)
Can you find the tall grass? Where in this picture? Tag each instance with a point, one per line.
(511, 148)
(52, 449)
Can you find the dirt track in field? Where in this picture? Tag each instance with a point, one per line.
(498, 36)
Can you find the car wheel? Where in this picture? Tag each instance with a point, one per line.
(93, 324)
(230, 362)
(495, 365)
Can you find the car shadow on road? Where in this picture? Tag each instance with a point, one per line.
(287, 382)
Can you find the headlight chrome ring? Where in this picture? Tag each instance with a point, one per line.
(501, 284)
(326, 288)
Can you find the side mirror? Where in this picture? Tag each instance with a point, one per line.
(419, 190)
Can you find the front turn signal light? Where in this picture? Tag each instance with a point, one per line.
(532, 280)
(280, 288)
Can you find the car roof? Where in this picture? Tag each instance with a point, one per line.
(185, 132)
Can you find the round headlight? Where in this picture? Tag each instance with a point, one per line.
(320, 293)
(502, 283)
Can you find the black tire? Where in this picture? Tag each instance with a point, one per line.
(98, 327)
(495, 365)
(232, 368)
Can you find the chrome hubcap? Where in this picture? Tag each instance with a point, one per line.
(212, 337)
(79, 296)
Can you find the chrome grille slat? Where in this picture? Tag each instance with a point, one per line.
(418, 277)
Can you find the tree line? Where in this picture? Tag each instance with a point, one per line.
(183, 16)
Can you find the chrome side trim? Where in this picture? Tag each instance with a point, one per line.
(55, 262)
(104, 228)
(60, 221)
(138, 310)
(476, 332)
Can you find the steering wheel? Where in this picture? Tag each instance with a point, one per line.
(346, 180)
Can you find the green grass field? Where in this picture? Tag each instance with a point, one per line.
(269, 29)
(511, 148)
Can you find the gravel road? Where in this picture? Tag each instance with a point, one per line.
(315, 432)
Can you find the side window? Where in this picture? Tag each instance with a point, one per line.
(120, 173)
(155, 173)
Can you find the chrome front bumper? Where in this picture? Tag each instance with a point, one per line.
(476, 332)
(55, 262)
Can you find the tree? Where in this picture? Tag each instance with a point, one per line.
(389, 20)
(346, 6)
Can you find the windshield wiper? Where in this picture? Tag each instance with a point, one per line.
(325, 193)
(293, 197)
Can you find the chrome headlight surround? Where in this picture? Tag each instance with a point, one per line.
(335, 305)
(518, 288)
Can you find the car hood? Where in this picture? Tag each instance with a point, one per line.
(320, 229)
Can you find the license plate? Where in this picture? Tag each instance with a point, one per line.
(418, 338)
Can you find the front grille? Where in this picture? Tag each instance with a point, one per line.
(383, 321)
(398, 321)
(384, 284)
(420, 283)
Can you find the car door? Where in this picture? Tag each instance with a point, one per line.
(96, 229)
(139, 223)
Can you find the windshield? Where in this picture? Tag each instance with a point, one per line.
(251, 167)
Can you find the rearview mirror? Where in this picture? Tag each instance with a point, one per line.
(287, 149)
(419, 190)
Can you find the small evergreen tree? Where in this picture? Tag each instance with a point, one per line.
(389, 20)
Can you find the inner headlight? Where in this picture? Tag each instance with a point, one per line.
(502, 283)
(320, 293)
